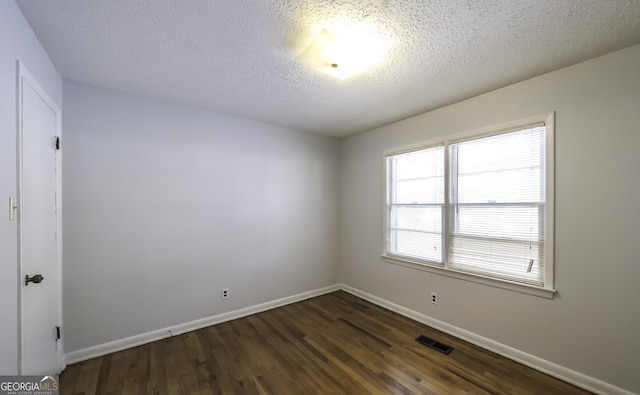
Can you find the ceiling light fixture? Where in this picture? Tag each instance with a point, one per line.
(341, 55)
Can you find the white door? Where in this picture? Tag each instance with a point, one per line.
(37, 227)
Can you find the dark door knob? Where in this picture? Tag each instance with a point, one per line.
(37, 279)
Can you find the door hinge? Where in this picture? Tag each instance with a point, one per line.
(13, 209)
(57, 143)
(57, 333)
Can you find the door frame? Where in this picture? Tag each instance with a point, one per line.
(24, 76)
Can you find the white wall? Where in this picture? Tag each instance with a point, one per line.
(165, 205)
(17, 42)
(593, 324)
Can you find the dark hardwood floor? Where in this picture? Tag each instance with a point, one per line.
(332, 344)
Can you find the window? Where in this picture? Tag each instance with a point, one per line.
(416, 203)
(479, 204)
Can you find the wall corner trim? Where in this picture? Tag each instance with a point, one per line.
(565, 374)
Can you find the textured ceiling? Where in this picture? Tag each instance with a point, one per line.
(239, 56)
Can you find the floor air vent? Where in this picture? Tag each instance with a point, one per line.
(429, 342)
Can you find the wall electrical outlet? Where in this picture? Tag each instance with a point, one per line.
(224, 293)
(434, 298)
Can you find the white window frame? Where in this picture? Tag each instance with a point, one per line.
(547, 290)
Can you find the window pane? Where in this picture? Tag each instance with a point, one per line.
(497, 206)
(415, 203)
(509, 260)
(426, 246)
(426, 219)
(508, 222)
(503, 168)
(420, 190)
(512, 150)
(418, 164)
(516, 185)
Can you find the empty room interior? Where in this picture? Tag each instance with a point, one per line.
(362, 196)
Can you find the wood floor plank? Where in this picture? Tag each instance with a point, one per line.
(332, 344)
(87, 379)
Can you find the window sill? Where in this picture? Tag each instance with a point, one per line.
(547, 293)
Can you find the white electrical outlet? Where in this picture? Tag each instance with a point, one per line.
(434, 298)
(224, 293)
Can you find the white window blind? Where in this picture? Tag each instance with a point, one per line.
(415, 204)
(475, 205)
(497, 199)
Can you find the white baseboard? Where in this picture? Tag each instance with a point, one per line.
(542, 365)
(144, 338)
(550, 368)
